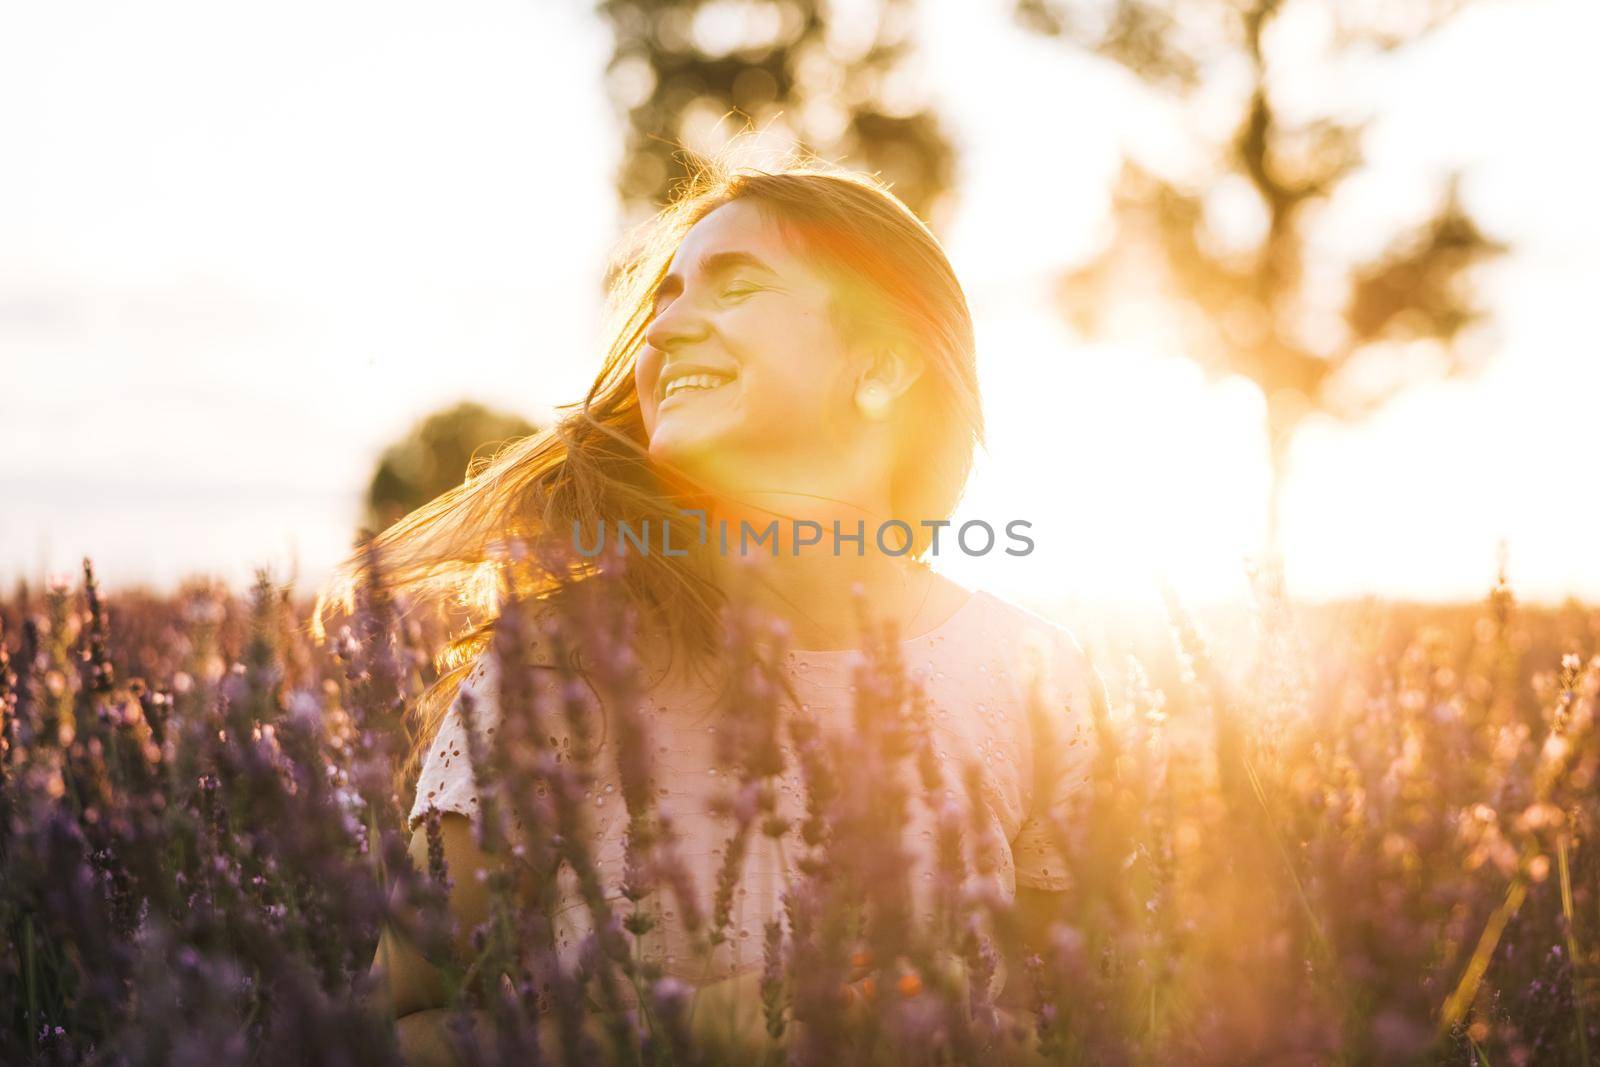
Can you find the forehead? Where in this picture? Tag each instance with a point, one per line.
(737, 226)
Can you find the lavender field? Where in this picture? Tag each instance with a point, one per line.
(1359, 834)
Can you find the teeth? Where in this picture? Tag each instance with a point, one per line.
(693, 381)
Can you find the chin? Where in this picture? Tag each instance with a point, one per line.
(687, 451)
(711, 461)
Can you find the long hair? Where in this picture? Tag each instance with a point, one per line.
(592, 468)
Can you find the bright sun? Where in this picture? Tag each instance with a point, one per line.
(1127, 463)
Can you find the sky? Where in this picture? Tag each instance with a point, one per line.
(243, 248)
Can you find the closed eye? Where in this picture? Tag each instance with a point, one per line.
(732, 292)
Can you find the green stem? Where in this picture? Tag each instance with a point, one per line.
(1455, 1006)
(1572, 947)
(32, 983)
(1288, 863)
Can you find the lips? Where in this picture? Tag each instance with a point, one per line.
(691, 379)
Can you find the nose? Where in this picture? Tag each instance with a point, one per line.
(680, 323)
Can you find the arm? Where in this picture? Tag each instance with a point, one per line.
(1035, 909)
(1066, 725)
(413, 987)
(727, 1015)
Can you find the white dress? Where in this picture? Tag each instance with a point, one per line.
(976, 669)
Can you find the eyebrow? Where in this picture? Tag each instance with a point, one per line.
(710, 265)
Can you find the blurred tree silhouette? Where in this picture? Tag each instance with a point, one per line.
(434, 456)
(833, 78)
(1269, 306)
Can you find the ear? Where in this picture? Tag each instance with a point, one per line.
(885, 375)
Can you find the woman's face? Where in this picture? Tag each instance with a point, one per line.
(768, 385)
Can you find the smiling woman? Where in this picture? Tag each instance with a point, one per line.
(745, 363)
(845, 351)
(788, 348)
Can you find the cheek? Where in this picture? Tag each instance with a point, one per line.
(796, 365)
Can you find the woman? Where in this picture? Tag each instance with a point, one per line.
(791, 356)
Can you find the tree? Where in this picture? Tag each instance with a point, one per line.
(434, 456)
(838, 85)
(1314, 333)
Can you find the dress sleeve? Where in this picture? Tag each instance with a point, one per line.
(1070, 699)
(446, 780)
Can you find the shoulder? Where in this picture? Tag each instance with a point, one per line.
(1027, 631)
(1045, 654)
(533, 639)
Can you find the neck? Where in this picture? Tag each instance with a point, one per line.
(809, 588)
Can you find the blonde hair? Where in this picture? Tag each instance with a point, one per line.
(888, 274)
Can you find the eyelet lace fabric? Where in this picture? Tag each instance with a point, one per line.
(977, 670)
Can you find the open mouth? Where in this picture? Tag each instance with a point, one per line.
(694, 383)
